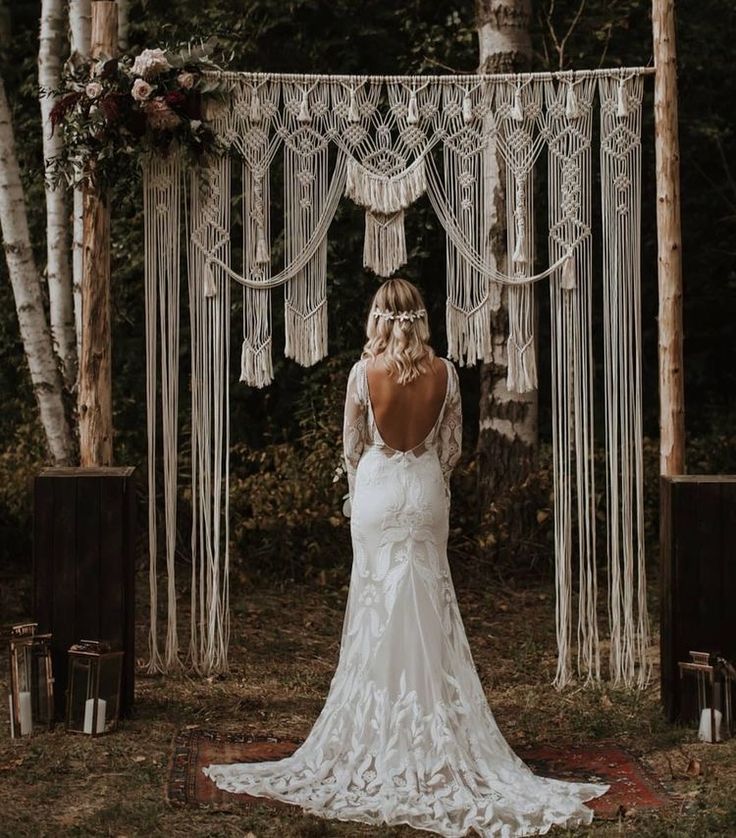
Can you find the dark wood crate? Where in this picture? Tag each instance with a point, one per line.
(698, 575)
(84, 542)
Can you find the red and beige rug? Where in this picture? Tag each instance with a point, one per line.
(633, 787)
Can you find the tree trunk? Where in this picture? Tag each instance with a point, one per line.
(58, 269)
(669, 243)
(123, 24)
(95, 373)
(80, 24)
(26, 284)
(507, 437)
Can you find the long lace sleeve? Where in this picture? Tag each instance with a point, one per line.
(354, 426)
(450, 433)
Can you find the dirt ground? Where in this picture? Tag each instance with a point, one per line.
(283, 651)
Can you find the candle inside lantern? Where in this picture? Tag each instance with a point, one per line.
(26, 717)
(89, 709)
(706, 732)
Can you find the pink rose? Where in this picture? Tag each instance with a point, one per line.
(141, 90)
(186, 80)
(93, 89)
(150, 63)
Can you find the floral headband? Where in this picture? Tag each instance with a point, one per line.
(411, 316)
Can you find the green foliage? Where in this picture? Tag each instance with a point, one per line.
(286, 503)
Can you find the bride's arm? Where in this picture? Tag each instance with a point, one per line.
(354, 426)
(450, 436)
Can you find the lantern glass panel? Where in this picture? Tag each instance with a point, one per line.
(31, 681)
(93, 701)
(706, 694)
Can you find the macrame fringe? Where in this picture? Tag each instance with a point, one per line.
(469, 334)
(256, 366)
(522, 366)
(384, 247)
(306, 336)
(383, 194)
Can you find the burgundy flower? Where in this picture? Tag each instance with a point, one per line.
(176, 99)
(112, 106)
(63, 106)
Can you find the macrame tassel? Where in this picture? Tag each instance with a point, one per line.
(306, 336)
(569, 280)
(383, 194)
(353, 112)
(622, 108)
(521, 374)
(469, 334)
(263, 256)
(384, 249)
(412, 116)
(467, 109)
(256, 366)
(255, 106)
(572, 109)
(519, 256)
(210, 288)
(304, 115)
(517, 111)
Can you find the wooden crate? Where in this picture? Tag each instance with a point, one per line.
(84, 541)
(697, 574)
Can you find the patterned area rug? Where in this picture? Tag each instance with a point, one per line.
(633, 787)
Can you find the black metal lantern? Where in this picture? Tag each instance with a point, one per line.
(709, 679)
(93, 692)
(31, 681)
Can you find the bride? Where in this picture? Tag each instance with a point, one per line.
(406, 735)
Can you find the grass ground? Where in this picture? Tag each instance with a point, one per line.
(283, 650)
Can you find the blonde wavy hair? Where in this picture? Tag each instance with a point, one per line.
(398, 329)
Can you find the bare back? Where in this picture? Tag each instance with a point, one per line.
(406, 413)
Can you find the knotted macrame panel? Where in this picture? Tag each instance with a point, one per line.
(384, 142)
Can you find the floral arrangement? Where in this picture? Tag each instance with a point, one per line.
(114, 111)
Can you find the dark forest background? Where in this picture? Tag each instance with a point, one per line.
(286, 438)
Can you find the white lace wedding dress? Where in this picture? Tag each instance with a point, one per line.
(406, 735)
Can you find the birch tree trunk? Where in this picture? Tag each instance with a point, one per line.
(507, 438)
(80, 27)
(58, 269)
(26, 284)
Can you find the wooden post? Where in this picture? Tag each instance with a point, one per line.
(669, 242)
(95, 382)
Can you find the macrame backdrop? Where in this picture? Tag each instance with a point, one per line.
(384, 142)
